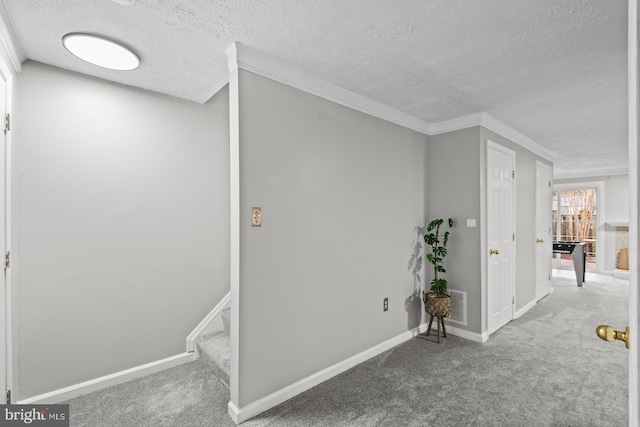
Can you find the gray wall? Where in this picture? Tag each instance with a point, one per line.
(341, 193)
(616, 208)
(525, 217)
(455, 192)
(455, 176)
(120, 225)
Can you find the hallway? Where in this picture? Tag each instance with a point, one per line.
(546, 368)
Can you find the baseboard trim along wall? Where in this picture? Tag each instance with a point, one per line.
(458, 332)
(191, 339)
(526, 308)
(249, 411)
(240, 415)
(109, 380)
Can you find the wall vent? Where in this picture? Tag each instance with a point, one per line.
(458, 307)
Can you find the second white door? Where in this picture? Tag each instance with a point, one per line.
(543, 229)
(500, 236)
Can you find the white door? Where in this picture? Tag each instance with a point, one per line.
(500, 236)
(543, 229)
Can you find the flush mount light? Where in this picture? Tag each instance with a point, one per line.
(101, 51)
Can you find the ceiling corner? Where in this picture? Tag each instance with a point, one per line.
(11, 48)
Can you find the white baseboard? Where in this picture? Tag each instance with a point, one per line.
(191, 339)
(109, 380)
(240, 415)
(458, 332)
(526, 308)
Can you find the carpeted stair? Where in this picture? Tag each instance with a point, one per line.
(214, 349)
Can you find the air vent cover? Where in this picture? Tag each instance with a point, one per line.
(458, 307)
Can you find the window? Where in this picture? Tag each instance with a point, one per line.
(575, 219)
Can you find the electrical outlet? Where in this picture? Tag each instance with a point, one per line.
(385, 304)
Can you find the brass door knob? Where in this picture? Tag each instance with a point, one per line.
(494, 252)
(539, 240)
(607, 333)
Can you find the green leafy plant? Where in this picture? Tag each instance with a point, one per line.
(437, 253)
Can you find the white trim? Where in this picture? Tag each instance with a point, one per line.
(240, 415)
(617, 223)
(634, 178)
(459, 332)
(240, 56)
(250, 60)
(109, 380)
(494, 125)
(7, 358)
(591, 173)
(234, 242)
(458, 123)
(482, 179)
(10, 48)
(4, 319)
(526, 308)
(191, 339)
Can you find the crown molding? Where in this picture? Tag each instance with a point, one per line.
(494, 125)
(590, 173)
(11, 49)
(240, 56)
(458, 123)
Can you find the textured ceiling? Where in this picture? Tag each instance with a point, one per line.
(553, 70)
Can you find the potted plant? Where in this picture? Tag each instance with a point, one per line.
(437, 302)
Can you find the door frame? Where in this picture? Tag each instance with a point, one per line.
(6, 324)
(485, 243)
(634, 225)
(547, 253)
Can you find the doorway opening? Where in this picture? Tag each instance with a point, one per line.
(575, 219)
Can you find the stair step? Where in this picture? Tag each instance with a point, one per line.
(215, 352)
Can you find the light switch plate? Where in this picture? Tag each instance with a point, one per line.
(471, 222)
(256, 217)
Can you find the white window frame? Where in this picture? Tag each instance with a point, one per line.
(600, 219)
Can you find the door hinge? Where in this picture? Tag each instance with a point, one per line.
(549, 277)
(514, 237)
(513, 300)
(549, 183)
(513, 174)
(7, 260)
(7, 122)
(8, 397)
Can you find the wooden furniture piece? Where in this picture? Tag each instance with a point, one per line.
(440, 321)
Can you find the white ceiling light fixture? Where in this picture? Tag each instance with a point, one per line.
(101, 51)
